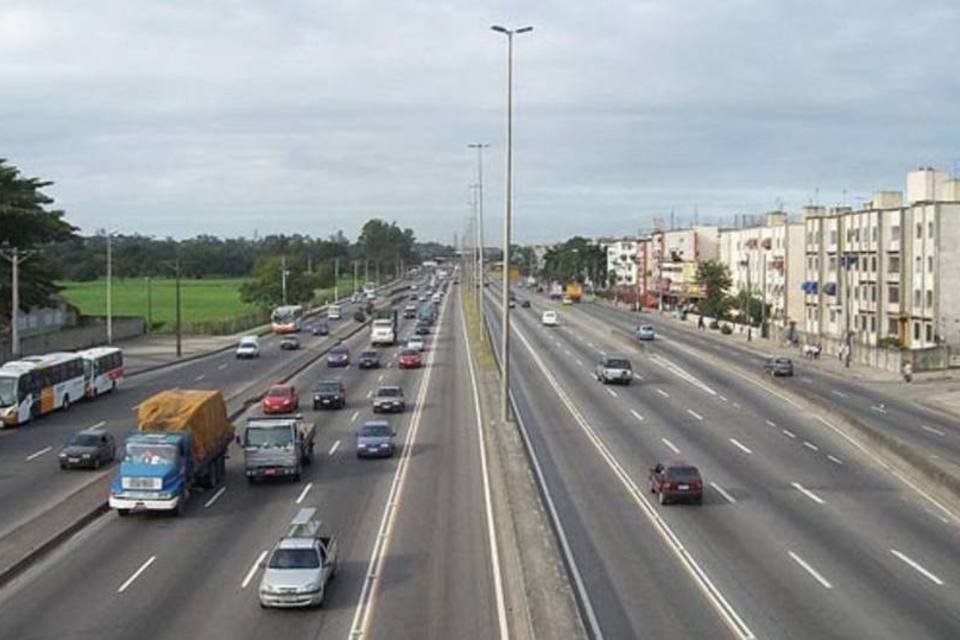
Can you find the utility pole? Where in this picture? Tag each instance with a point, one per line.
(15, 257)
(508, 211)
(377, 266)
(283, 279)
(366, 270)
(479, 146)
(356, 266)
(763, 309)
(149, 305)
(109, 290)
(179, 324)
(336, 279)
(747, 300)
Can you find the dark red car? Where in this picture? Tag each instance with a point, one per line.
(409, 359)
(281, 398)
(676, 481)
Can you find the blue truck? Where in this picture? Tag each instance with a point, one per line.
(180, 444)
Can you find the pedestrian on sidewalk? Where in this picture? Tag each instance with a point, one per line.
(907, 371)
(816, 351)
(700, 322)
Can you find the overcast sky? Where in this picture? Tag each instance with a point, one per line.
(186, 117)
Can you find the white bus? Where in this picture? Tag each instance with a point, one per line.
(37, 385)
(288, 319)
(102, 369)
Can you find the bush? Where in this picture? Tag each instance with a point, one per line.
(714, 324)
(726, 329)
(890, 342)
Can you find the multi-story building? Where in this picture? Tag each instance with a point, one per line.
(622, 267)
(673, 258)
(768, 261)
(882, 273)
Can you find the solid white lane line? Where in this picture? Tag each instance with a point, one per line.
(636, 415)
(99, 424)
(839, 393)
(253, 569)
(740, 445)
(933, 431)
(353, 418)
(612, 392)
(369, 394)
(200, 377)
(567, 351)
(303, 494)
(736, 405)
(591, 345)
(726, 496)
(638, 376)
(916, 565)
(663, 393)
(834, 459)
(808, 493)
(214, 498)
(222, 367)
(813, 572)
(695, 414)
(722, 398)
(770, 423)
(335, 446)
(579, 362)
(810, 445)
(136, 574)
(672, 446)
(380, 379)
(37, 454)
(789, 434)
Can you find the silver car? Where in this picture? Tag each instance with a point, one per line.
(614, 370)
(300, 565)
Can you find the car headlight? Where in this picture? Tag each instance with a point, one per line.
(63, 455)
(86, 456)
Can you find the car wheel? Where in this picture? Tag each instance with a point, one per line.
(96, 464)
(698, 500)
(662, 498)
(123, 513)
(66, 403)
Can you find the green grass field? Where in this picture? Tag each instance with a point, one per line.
(208, 306)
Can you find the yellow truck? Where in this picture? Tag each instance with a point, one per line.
(574, 291)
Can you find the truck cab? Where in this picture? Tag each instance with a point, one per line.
(277, 447)
(153, 474)
(300, 566)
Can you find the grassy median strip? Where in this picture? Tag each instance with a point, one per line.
(474, 329)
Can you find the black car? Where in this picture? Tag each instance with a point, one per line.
(338, 356)
(321, 329)
(359, 316)
(90, 449)
(779, 366)
(422, 329)
(329, 394)
(525, 304)
(369, 359)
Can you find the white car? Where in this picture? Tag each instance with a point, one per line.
(436, 297)
(645, 332)
(567, 300)
(334, 312)
(249, 347)
(416, 342)
(549, 318)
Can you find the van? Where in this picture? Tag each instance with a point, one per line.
(249, 347)
(334, 312)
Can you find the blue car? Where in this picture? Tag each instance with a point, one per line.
(375, 439)
(338, 356)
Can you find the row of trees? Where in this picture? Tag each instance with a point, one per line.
(578, 260)
(717, 303)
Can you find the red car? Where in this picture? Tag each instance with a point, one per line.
(282, 398)
(676, 481)
(409, 359)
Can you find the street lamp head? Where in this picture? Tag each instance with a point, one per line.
(523, 30)
(497, 27)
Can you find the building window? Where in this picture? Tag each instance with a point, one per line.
(874, 234)
(873, 324)
(929, 233)
(929, 264)
(895, 234)
(919, 230)
(873, 293)
(832, 263)
(833, 236)
(873, 264)
(929, 297)
(916, 330)
(893, 264)
(916, 297)
(893, 328)
(929, 333)
(893, 294)
(918, 264)
(833, 315)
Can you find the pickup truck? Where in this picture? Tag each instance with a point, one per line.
(181, 443)
(277, 447)
(300, 566)
(614, 370)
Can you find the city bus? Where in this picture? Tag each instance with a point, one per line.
(288, 319)
(102, 369)
(37, 385)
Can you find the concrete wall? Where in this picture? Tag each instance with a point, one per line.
(92, 333)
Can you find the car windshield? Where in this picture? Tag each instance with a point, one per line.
(370, 355)
(278, 392)
(338, 351)
(328, 387)
(8, 392)
(278, 436)
(646, 328)
(375, 431)
(154, 454)
(85, 440)
(295, 559)
(683, 473)
(409, 352)
(389, 392)
(617, 363)
(782, 360)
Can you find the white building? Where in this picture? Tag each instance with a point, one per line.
(622, 268)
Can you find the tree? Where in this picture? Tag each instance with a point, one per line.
(27, 223)
(715, 279)
(576, 259)
(266, 287)
(386, 245)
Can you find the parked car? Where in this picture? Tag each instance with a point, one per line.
(338, 356)
(329, 394)
(320, 329)
(676, 481)
(290, 343)
(415, 342)
(388, 399)
(779, 366)
(369, 359)
(645, 332)
(90, 448)
(249, 347)
(281, 398)
(614, 371)
(409, 359)
(375, 438)
(300, 566)
(549, 318)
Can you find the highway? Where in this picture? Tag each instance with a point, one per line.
(416, 561)
(801, 535)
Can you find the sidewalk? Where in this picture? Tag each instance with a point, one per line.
(155, 350)
(935, 389)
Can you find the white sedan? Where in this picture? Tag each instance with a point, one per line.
(416, 342)
(549, 318)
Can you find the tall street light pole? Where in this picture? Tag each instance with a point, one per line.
(508, 210)
(16, 258)
(480, 147)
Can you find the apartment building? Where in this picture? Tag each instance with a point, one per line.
(622, 267)
(768, 260)
(672, 259)
(882, 273)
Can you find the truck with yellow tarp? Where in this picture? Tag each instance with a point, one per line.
(180, 444)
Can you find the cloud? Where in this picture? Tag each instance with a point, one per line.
(178, 118)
